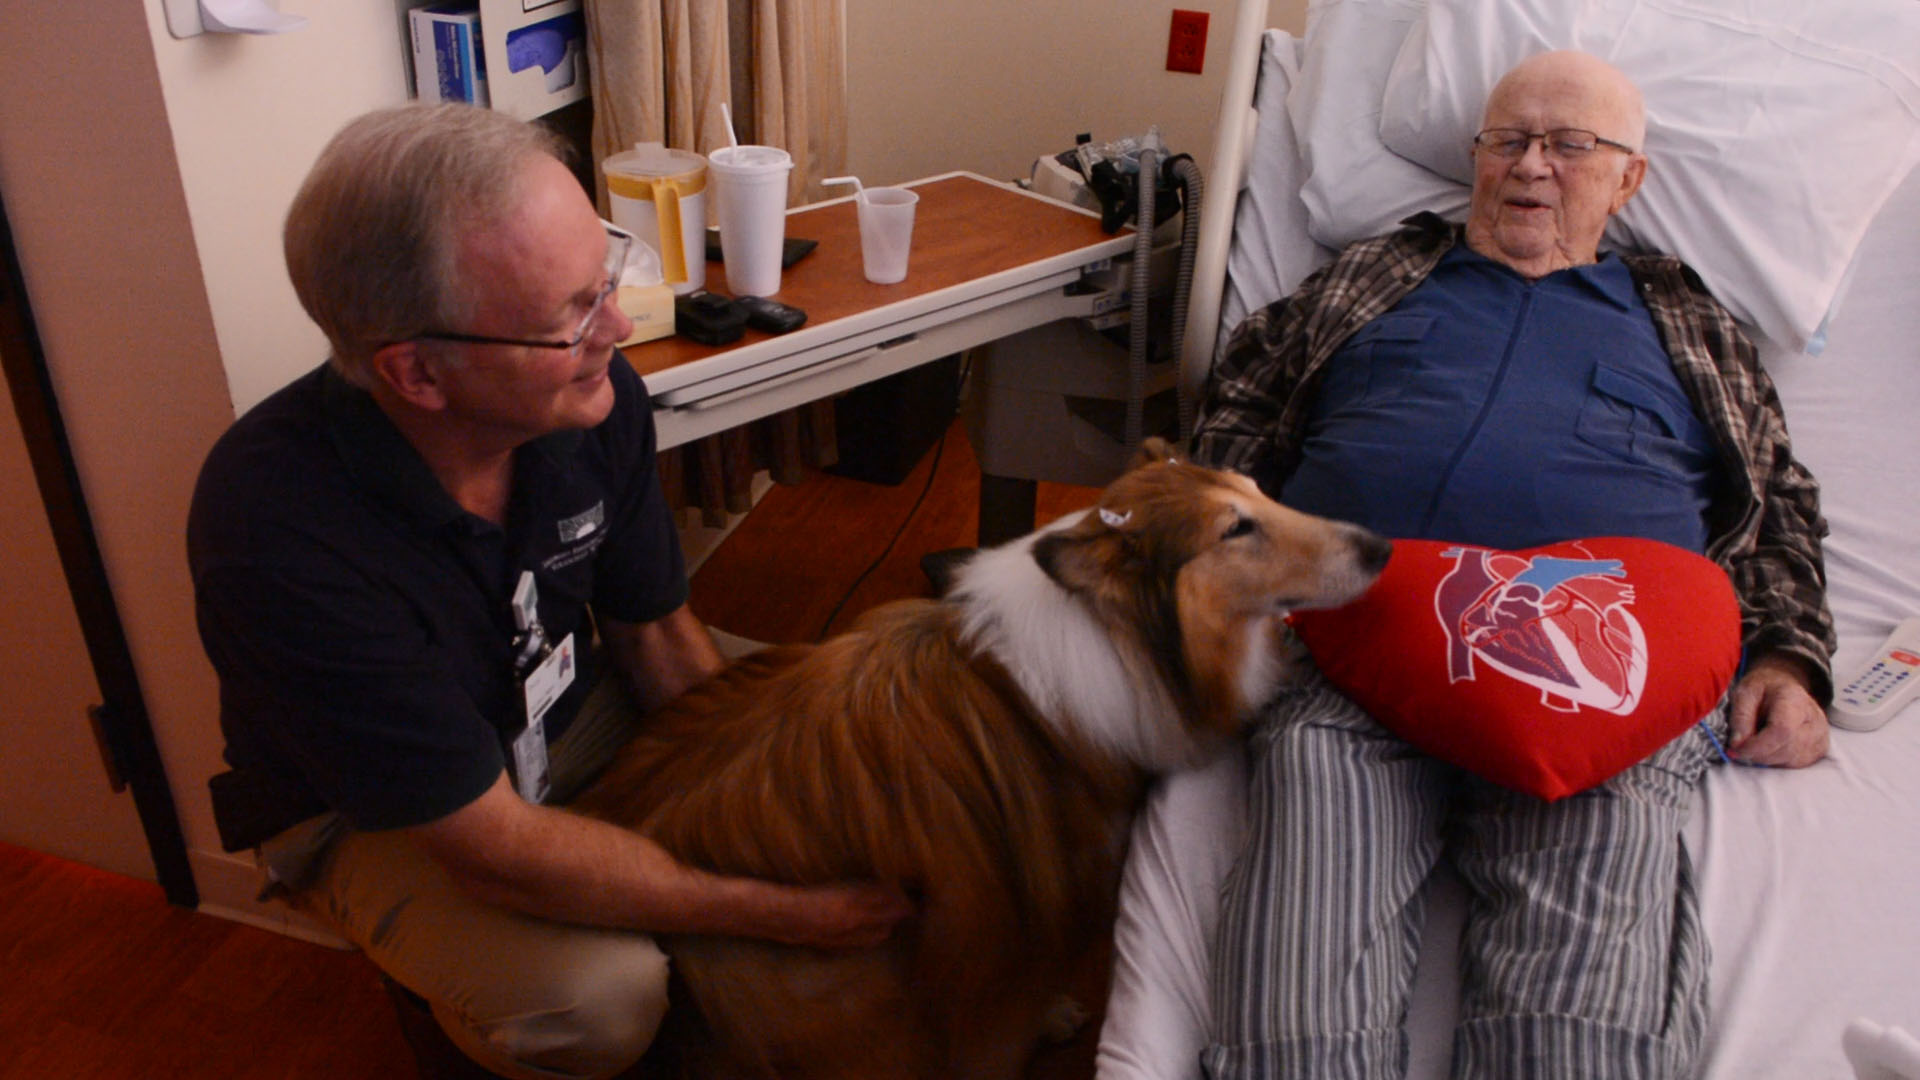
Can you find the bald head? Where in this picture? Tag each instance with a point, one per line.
(1579, 83)
(1541, 204)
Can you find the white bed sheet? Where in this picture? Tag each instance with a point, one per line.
(1809, 878)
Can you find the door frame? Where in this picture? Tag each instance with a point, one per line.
(131, 755)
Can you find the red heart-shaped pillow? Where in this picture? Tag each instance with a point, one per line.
(1546, 670)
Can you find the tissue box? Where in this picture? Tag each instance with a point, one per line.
(536, 54)
(449, 63)
(651, 309)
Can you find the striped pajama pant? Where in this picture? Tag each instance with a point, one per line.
(1583, 954)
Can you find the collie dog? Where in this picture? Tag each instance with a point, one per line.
(985, 750)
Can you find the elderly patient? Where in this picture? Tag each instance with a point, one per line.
(1444, 382)
(400, 561)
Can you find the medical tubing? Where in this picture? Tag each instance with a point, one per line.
(1142, 272)
(1195, 187)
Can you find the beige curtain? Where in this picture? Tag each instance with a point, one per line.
(799, 79)
(659, 72)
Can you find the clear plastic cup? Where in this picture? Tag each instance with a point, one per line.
(750, 200)
(886, 232)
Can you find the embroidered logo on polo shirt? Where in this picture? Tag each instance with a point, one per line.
(580, 537)
(583, 524)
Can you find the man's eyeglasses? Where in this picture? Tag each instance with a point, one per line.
(1564, 144)
(619, 242)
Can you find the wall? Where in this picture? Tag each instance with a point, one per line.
(990, 85)
(248, 115)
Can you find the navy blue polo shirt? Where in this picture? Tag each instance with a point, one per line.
(360, 620)
(1490, 409)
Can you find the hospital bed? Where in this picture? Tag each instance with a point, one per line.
(1809, 879)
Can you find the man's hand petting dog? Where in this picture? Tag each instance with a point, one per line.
(847, 915)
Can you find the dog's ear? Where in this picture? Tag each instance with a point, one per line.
(1155, 450)
(1078, 558)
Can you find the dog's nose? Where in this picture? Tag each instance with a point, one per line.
(1373, 550)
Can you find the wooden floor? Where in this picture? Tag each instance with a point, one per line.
(781, 573)
(100, 978)
(103, 979)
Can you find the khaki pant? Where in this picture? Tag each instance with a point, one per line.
(523, 996)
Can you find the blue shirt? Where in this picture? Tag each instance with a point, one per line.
(1489, 409)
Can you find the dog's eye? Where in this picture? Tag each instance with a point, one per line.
(1242, 526)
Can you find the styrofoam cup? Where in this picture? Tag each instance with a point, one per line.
(750, 200)
(886, 232)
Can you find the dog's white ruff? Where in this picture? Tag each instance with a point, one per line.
(1064, 659)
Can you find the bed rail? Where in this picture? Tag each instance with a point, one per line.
(1233, 136)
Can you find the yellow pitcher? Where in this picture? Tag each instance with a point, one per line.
(659, 195)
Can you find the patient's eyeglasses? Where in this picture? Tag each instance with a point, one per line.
(1563, 144)
(619, 242)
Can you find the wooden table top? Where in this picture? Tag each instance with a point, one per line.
(965, 228)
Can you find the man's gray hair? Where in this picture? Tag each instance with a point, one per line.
(372, 238)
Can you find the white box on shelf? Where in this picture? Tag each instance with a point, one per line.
(449, 62)
(536, 54)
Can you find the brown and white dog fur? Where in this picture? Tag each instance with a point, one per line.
(986, 751)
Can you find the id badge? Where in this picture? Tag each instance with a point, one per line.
(542, 687)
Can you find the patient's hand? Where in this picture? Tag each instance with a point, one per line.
(1774, 717)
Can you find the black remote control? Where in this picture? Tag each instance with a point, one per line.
(770, 316)
(708, 318)
(792, 249)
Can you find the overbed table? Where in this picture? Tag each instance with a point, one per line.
(988, 260)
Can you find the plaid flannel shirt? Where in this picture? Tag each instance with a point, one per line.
(1764, 523)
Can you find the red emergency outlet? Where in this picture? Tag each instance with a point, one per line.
(1187, 41)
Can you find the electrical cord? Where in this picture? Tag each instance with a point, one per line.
(1195, 187)
(1138, 347)
(939, 451)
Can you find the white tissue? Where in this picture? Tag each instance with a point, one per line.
(643, 266)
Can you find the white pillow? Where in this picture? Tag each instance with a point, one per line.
(1355, 187)
(1776, 128)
